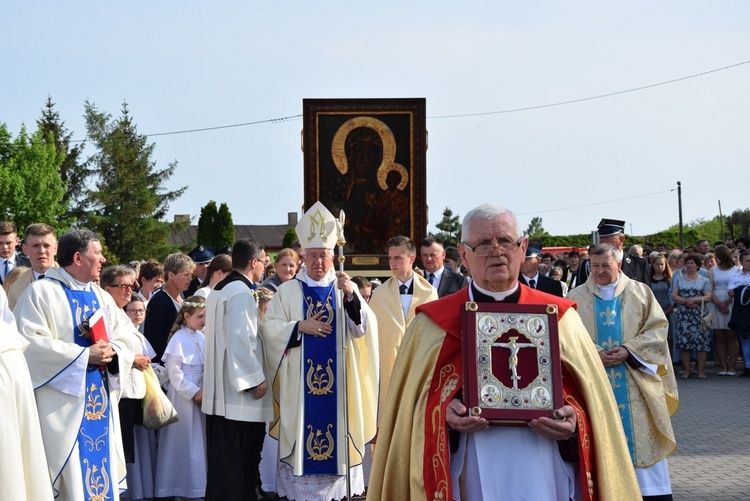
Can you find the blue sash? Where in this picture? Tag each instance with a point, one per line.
(609, 336)
(93, 435)
(321, 389)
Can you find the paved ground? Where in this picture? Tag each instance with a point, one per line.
(712, 461)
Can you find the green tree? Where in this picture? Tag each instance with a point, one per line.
(30, 186)
(450, 229)
(129, 202)
(739, 223)
(73, 172)
(224, 227)
(536, 230)
(207, 224)
(289, 238)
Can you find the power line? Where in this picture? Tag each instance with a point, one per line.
(601, 96)
(463, 115)
(594, 204)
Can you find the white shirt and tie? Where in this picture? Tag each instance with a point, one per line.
(7, 266)
(406, 290)
(532, 282)
(434, 278)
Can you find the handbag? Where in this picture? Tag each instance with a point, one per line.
(158, 411)
(707, 319)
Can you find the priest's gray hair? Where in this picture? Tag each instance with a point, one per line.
(606, 250)
(72, 242)
(489, 211)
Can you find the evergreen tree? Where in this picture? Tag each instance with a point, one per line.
(450, 229)
(289, 238)
(30, 186)
(739, 223)
(129, 202)
(535, 229)
(72, 171)
(207, 224)
(224, 228)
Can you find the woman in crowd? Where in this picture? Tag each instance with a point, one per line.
(689, 289)
(118, 282)
(287, 265)
(181, 460)
(162, 308)
(556, 273)
(727, 347)
(270, 272)
(151, 278)
(709, 261)
(217, 270)
(661, 283)
(570, 274)
(674, 260)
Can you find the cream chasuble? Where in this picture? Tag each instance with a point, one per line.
(292, 379)
(44, 318)
(23, 474)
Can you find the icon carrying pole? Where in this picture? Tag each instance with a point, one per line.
(341, 327)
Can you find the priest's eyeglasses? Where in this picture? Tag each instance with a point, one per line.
(484, 249)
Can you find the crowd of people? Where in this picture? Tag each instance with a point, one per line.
(289, 375)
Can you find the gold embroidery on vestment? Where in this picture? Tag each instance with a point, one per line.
(97, 481)
(319, 382)
(96, 406)
(320, 448)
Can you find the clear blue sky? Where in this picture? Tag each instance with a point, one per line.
(186, 65)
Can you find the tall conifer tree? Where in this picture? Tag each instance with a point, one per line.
(129, 202)
(73, 172)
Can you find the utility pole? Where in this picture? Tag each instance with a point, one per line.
(721, 222)
(679, 206)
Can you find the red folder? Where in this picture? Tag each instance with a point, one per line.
(99, 327)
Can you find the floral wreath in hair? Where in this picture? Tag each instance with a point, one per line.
(261, 294)
(196, 304)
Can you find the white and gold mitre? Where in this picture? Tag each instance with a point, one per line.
(318, 228)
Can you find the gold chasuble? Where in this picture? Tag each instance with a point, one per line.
(634, 319)
(386, 304)
(413, 458)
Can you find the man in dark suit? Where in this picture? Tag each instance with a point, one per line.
(8, 243)
(444, 280)
(530, 274)
(202, 257)
(612, 231)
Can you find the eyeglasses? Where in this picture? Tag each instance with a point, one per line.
(139, 311)
(316, 257)
(484, 249)
(124, 287)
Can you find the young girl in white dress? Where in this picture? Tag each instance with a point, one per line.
(181, 460)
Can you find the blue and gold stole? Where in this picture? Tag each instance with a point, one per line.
(93, 434)
(608, 318)
(321, 388)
